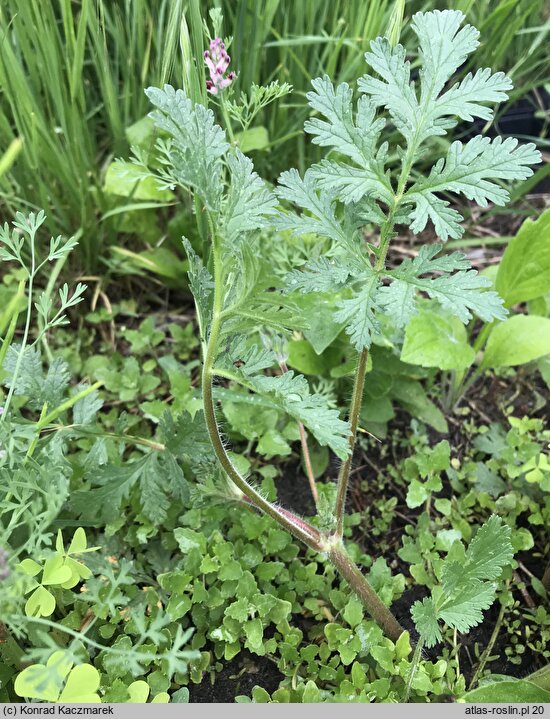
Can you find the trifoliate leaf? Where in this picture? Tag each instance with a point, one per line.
(197, 143)
(436, 340)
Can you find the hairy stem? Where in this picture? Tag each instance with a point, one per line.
(343, 475)
(360, 585)
(300, 529)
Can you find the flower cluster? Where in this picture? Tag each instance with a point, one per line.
(217, 61)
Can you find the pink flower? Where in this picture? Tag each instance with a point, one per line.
(217, 61)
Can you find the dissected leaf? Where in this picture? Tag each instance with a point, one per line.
(248, 202)
(197, 143)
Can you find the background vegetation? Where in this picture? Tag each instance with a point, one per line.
(185, 598)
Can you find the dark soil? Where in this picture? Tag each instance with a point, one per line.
(238, 677)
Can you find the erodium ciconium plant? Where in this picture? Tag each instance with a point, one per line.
(364, 184)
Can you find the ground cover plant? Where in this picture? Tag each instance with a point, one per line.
(296, 491)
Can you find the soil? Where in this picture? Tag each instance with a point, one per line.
(238, 677)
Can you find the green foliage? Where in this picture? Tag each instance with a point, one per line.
(369, 196)
(41, 681)
(524, 271)
(434, 340)
(518, 340)
(467, 586)
(507, 690)
(187, 575)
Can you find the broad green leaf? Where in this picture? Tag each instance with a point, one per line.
(518, 340)
(411, 395)
(272, 444)
(160, 261)
(303, 358)
(141, 133)
(82, 685)
(126, 180)
(255, 138)
(434, 340)
(516, 691)
(524, 271)
(318, 310)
